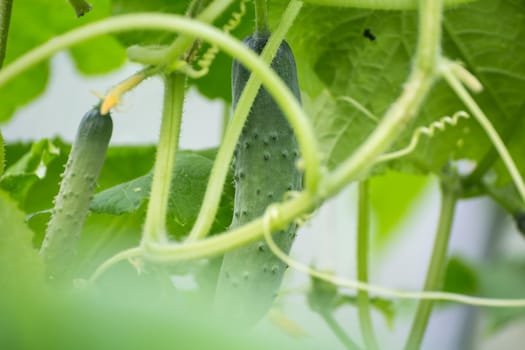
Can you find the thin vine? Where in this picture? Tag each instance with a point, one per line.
(436, 268)
(447, 70)
(272, 215)
(363, 300)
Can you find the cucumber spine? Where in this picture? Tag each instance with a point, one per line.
(265, 170)
(78, 184)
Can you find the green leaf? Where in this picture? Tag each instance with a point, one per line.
(146, 38)
(322, 296)
(21, 176)
(335, 58)
(325, 297)
(85, 320)
(187, 191)
(103, 236)
(122, 163)
(392, 195)
(460, 277)
(502, 279)
(21, 269)
(34, 22)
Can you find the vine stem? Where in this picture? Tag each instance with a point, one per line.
(180, 44)
(273, 220)
(222, 163)
(363, 230)
(380, 4)
(155, 223)
(261, 17)
(338, 331)
(485, 123)
(5, 20)
(436, 268)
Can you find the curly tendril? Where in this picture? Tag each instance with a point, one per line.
(429, 131)
(209, 56)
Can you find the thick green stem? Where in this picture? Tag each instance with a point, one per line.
(363, 300)
(380, 4)
(261, 17)
(5, 19)
(155, 224)
(339, 332)
(436, 267)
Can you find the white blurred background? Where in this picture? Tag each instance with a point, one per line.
(329, 239)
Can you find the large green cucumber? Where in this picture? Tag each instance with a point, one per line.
(76, 189)
(265, 169)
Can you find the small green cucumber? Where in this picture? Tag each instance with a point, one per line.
(265, 169)
(76, 189)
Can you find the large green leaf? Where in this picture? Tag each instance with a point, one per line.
(122, 164)
(502, 279)
(35, 21)
(152, 38)
(460, 277)
(498, 278)
(336, 58)
(21, 176)
(187, 191)
(21, 269)
(86, 321)
(324, 297)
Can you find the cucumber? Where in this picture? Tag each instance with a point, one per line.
(265, 170)
(76, 189)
